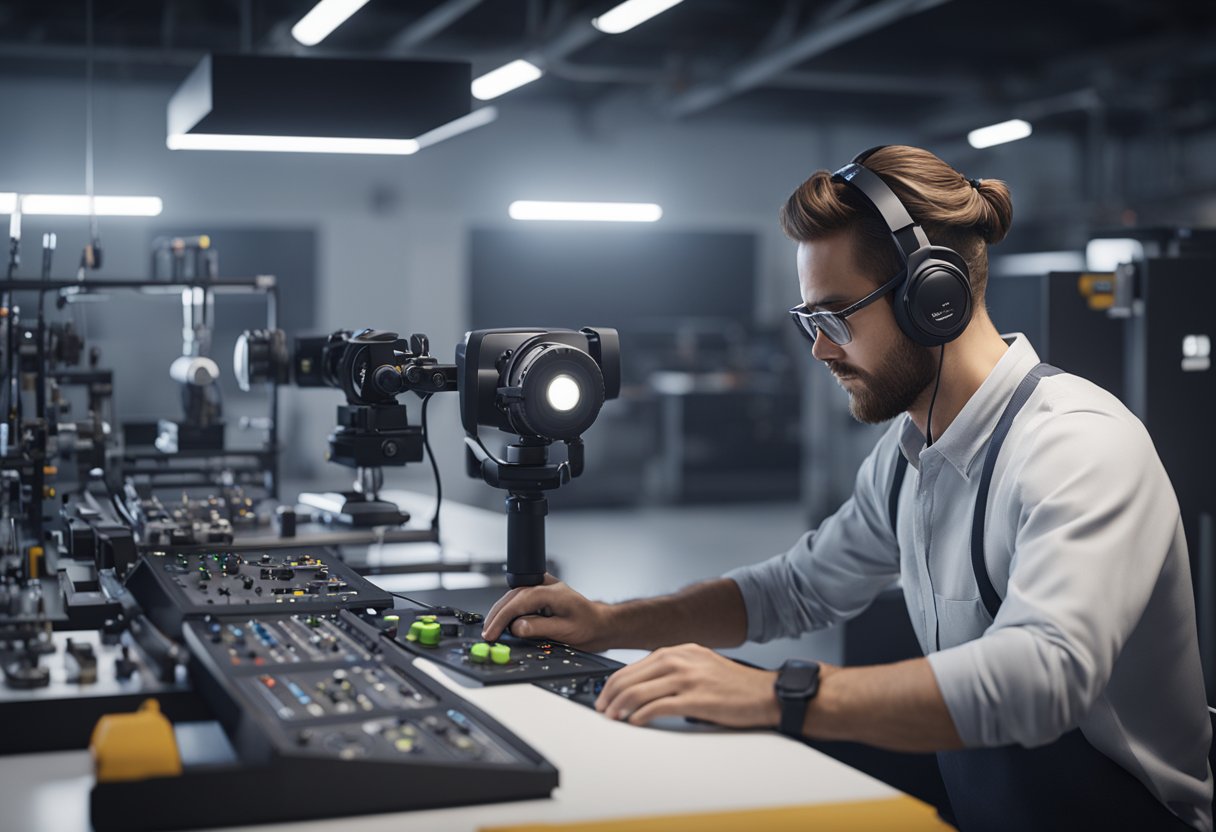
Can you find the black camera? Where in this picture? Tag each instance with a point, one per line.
(371, 367)
(547, 383)
(543, 385)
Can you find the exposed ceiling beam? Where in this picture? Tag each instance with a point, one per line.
(429, 25)
(819, 38)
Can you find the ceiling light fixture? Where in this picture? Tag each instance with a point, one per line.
(315, 105)
(504, 79)
(624, 17)
(291, 144)
(326, 16)
(585, 211)
(78, 205)
(994, 134)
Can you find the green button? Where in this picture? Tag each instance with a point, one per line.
(479, 652)
(428, 632)
(391, 620)
(415, 631)
(426, 618)
(500, 654)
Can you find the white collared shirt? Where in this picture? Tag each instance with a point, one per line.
(1083, 542)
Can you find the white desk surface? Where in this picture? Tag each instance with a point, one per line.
(607, 770)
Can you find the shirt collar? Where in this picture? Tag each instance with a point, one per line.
(973, 427)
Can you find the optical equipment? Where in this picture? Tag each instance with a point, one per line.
(543, 385)
(371, 367)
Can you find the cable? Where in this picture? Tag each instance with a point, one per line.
(88, 117)
(413, 601)
(936, 384)
(426, 443)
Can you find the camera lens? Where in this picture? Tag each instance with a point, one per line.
(563, 393)
(561, 390)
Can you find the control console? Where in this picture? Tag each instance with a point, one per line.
(172, 586)
(331, 717)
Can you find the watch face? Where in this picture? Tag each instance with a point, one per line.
(798, 679)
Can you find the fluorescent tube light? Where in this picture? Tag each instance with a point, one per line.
(585, 211)
(475, 119)
(993, 134)
(504, 79)
(624, 17)
(78, 205)
(326, 16)
(8, 203)
(291, 144)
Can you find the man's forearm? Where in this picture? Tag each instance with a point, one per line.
(896, 706)
(711, 613)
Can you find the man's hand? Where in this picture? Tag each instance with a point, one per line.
(691, 680)
(553, 611)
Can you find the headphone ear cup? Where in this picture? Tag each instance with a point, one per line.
(933, 306)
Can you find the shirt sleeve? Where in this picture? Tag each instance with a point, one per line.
(833, 573)
(1097, 519)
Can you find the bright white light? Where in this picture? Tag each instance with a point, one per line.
(1106, 254)
(8, 202)
(326, 16)
(475, 119)
(1006, 131)
(78, 205)
(291, 144)
(1197, 346)
(508, 77)
(624, 17)
(585, 211)
(563, 393)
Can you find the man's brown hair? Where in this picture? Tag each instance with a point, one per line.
(952, 212)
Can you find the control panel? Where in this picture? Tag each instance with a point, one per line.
(172, 586)
(452, 638)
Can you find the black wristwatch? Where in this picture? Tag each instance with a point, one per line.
(796, 685)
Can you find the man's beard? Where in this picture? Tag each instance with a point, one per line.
(906, 371)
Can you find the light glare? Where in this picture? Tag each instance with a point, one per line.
(475, 119)
(504, 79)
(563, 393)
(326, 16)
(585, 211)
(624, 17)
(994, 134)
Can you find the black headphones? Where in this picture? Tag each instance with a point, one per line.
(933, 302)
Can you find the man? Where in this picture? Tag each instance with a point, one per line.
(1036, 535)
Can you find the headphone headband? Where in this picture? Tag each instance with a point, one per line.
(908, 235)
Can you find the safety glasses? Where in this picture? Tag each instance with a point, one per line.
(833, 324)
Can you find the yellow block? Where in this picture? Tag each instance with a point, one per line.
(134, 746)
(35, 556)
(903, 813)
(1098, 290)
